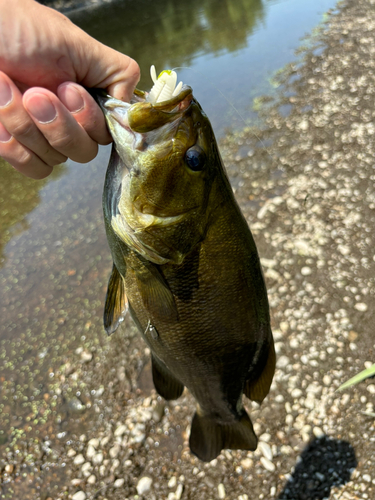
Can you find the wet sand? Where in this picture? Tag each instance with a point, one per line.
(305, 184)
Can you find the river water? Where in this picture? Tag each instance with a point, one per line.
(54, 259)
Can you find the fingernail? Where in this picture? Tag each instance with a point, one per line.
(5, 93)
(41, 108)
(4, 134)
(71, 98)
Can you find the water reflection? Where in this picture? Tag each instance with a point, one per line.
(170, 33)
(19, 195)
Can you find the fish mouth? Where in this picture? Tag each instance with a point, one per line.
(141, 116)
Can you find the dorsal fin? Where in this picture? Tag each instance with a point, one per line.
(116, 303)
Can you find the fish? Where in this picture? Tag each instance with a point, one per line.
(185, 264)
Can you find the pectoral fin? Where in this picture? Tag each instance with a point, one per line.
(156, 294)
(257, 389)
(208, 438)
(116, 304)
(165, 382)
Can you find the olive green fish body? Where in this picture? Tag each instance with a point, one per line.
(186, 265)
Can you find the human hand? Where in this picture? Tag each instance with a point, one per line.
(46, 56)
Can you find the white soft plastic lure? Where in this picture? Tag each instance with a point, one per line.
(164, 86)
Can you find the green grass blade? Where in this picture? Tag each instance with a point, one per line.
(369, 372)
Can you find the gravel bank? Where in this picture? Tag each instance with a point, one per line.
(305, 184)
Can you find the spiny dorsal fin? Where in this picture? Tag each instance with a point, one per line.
(116, 303)
(257, 390)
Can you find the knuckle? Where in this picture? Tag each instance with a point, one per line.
(22, 128)
(24, 158)
(64, 143)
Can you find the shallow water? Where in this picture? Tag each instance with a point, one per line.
(54, 259)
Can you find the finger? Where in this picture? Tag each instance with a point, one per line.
(18, 123)
(58, 126)
(106, 68)
(21, 158)
(85, 111)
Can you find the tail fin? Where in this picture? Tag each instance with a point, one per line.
(208, 438)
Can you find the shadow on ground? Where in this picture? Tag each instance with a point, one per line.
(323, 464)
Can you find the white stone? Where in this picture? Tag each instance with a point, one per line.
(246, 463)
(317, 431)
(114, 451)
(267, 464)
(86, 356)
(80, 495)
(265, 449)
(120, 482)
(97, 459)
(179, 490)
(296, 393)
(94, 442)
(144, 485)
(91, 479)
(283, 362)
(172, 482)
(79, 459)
(221, 491)
(90, 451)
(360, 306)
(121, 429)
(306, 271)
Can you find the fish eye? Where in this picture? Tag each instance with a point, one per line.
(195, 158)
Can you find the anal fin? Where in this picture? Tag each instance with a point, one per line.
(257, 389)
(116, 304)
(208, 437)
(166, 384)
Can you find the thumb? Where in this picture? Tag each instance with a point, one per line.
(109, 69)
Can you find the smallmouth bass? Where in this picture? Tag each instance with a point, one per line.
(185, 263)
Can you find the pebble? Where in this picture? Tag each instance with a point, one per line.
(267, 464)
(91, 479)
(94, 442)
(172, 482)
(178, 492)
(114, 451)
(265, 449)
(86, 356)
(367, 478)
(79, 459)
(221, 491)
(283, 362)
(246, 463)
(90, 452)
(80, 495)
(144, 485)
(361, 306)
(317, 431)
(120, 482)
(306, 271)
(121, 429)
(97, 459)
